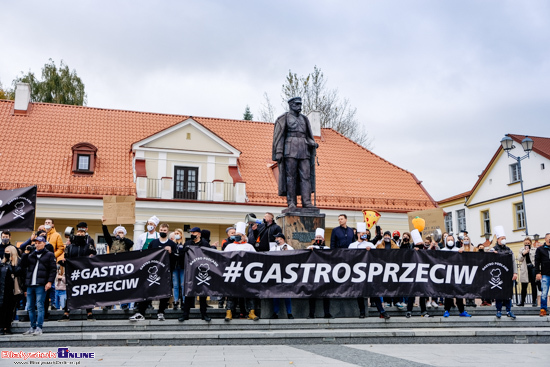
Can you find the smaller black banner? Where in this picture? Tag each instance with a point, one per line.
(346, 273)
(125, 277)
(17, 209)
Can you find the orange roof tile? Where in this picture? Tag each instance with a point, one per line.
(378, 184)
(540, 145)
(459, 196)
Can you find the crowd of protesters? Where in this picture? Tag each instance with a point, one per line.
(34, 273)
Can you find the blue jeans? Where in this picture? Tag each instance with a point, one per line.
(288, 305)
(52, 296)
(36, 295)
(507, 303)
(177, 283)
(60, 298)
(545, 284)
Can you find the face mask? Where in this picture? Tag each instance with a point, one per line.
(318, 242)
(5, 241)
(395, 238)
(178, 237)
(48, 227)
(466, 242)
(118, 238)
(502, 242)
(387, 239)
(405, 239)
(363, 237)
(450, 243)
(238, 238)
(232, 237)
(278, 242)
(193, 237)
(150, 228)
(163, 234)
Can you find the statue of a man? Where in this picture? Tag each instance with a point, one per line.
(294, 150)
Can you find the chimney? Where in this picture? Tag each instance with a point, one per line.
(22, 98)
(315, 121)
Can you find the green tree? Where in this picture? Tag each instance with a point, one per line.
(58, 85)
(247, 115)
(336, 113)
(6, 93)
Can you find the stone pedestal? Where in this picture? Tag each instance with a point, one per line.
(299, 225)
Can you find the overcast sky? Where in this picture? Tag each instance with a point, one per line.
(437, 84)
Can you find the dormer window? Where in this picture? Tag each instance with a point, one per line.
(84, 155)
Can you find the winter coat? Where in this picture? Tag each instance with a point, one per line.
(74, 250)
(522, 259)
(542, 260)
(46, 267)
(341, 237)
(382, 245)
(6, 279)
(55, 239)
(266, 234)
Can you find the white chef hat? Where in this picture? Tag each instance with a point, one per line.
(240, 227)
(361, 227)
(154, 219)
(499, 231)
(320, 232)
(416, 237)
(120, 228)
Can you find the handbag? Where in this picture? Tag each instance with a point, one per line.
(16, 286)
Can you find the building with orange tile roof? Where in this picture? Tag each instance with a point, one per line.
(186, 170)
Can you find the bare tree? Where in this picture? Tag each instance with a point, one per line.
(336, 113)
(266, 110)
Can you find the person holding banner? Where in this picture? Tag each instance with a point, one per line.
(143, 241)
(418, 244)
(319, 244)
(501, 248)
(40, 269)
(195, 240)
(79, 245)
(179, 267)
(281, 245)
(342, 236)
(240, 244)
(170, 246)
(362, 243)
(451, 246)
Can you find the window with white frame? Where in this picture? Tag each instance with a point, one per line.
(515, 175)
(486, 221)
(461, 220)
(520, 216)
(449, 223)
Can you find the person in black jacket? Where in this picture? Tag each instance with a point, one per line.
(6, 241)
(342, 236)
(10, 269)
(162, 242)
(120, 243)
(80, 245)
(195, 240)
(542, 271)
(40, 270)
(501, 248)
(260, 235)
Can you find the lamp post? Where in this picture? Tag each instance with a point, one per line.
(527, 144)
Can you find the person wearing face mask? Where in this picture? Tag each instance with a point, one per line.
(450, 245)
(6, 238)
(501, 248)
(54, 238)
(526, 259)
(419, 245)
(281, 245)
(163, 242)
(195, 240)
(179, 268)
(79, 245)
(319, 244)
(145, 239)
(362, 243)
(542, 271)
(40, 269)
(386, 243)
(406, 243)
(468, 247)
(230, 231)
(240, 244)
(396, 236)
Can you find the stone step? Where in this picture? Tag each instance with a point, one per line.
(210, 335)
(217, 313)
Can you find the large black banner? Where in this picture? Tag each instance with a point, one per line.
(124, 277)
(348, 273)
(17, 209)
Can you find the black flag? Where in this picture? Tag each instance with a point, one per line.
(17, 209)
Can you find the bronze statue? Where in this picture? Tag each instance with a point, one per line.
(294, 150)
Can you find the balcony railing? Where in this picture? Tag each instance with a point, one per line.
(203, 191)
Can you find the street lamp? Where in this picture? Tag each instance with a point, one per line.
(527, 144)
